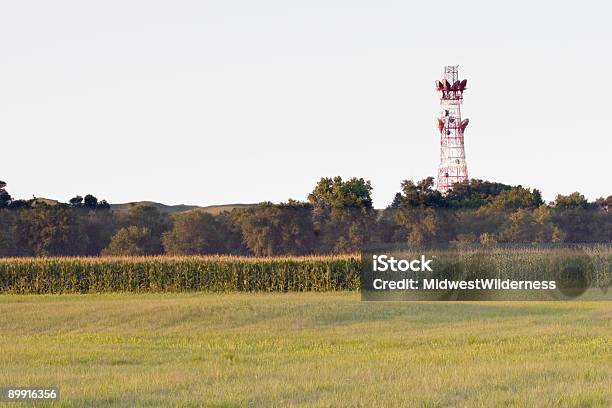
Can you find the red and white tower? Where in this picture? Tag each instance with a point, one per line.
(453, 167)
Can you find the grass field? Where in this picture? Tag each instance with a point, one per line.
(305, 349)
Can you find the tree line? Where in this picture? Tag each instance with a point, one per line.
(336, 217)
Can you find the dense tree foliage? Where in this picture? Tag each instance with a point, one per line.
(132, 240)
(150, 218)
(335, 193)
(197, 233)
(277, 229)
(342, 215)
(337, 218)
(48, 231)
(5, 197)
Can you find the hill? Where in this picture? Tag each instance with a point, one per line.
(171, 209)
(44, 201)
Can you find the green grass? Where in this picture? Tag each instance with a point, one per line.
(305, 349)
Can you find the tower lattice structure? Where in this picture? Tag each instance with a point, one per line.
(453, 167)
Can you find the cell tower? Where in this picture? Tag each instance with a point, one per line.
(453, 167)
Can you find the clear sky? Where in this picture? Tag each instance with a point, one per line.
(211, 102)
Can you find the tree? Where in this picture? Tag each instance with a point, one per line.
(418, 195)
(473, 193)
(198, 232)
(343, 217)
(579, 219)
(103, 205)
(76, 201)
(131, 241)
(517, 197)
(417, 214)
(99, 227)
(277, 229)
(145, 216)
(90, 202)
(8, 223)
(50, 231)
(424, 226)
(527, 226)
(574, 201)
(604, 204)
(20, 204)
(485, 221)
(343, 230)
(5, 197)
(335, 193)
(487, 239)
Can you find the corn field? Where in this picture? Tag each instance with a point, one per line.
(178, 274)
(273, 274)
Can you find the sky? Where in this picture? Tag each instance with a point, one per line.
(236, 101)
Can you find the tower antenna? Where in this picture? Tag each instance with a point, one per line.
(453, 167)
